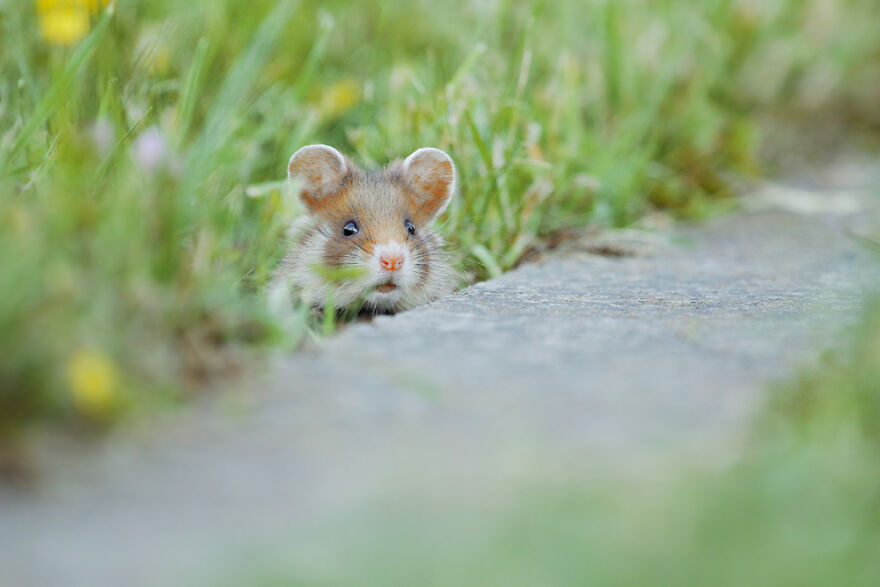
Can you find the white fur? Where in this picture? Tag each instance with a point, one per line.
(404, 278)
(297, 274)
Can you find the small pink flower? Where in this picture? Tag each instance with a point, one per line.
(151, 150)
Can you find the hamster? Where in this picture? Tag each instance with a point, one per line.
(372, 228)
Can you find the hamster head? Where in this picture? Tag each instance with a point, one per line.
(372, 228)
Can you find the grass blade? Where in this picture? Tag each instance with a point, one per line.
(193, 85)
(61, 87)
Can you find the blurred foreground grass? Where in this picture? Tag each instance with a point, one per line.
(140, 203)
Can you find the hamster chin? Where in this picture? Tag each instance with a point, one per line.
(384, 300)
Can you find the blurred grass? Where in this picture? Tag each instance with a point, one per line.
(787, 518)
(140, 209)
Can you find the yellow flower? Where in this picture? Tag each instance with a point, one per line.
(93, 6)
(44, 6)
(64, 22)
(94, 382)
(65, 26)
(340, 97)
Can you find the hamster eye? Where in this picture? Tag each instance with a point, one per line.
(350, 229)
(409, 227)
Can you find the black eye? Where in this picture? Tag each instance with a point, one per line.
(409, 227)
(350, 229)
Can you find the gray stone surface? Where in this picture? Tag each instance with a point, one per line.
(573, 362)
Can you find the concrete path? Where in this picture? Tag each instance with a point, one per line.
(574, 363)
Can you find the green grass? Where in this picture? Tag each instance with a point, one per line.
(557, 114)
(792, 518)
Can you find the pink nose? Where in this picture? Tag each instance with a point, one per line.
(391, 262)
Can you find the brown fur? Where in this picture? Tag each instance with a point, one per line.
(336, 191)
(379, 202)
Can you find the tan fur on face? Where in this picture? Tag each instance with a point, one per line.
(378, 206)
(337, 192)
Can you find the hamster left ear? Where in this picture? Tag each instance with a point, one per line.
(430, 175)
(322, 171)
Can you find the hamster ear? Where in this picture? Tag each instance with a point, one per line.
(430, 175)
(321, 169)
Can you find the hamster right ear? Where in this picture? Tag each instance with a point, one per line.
(431, 177)
(322, 171)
